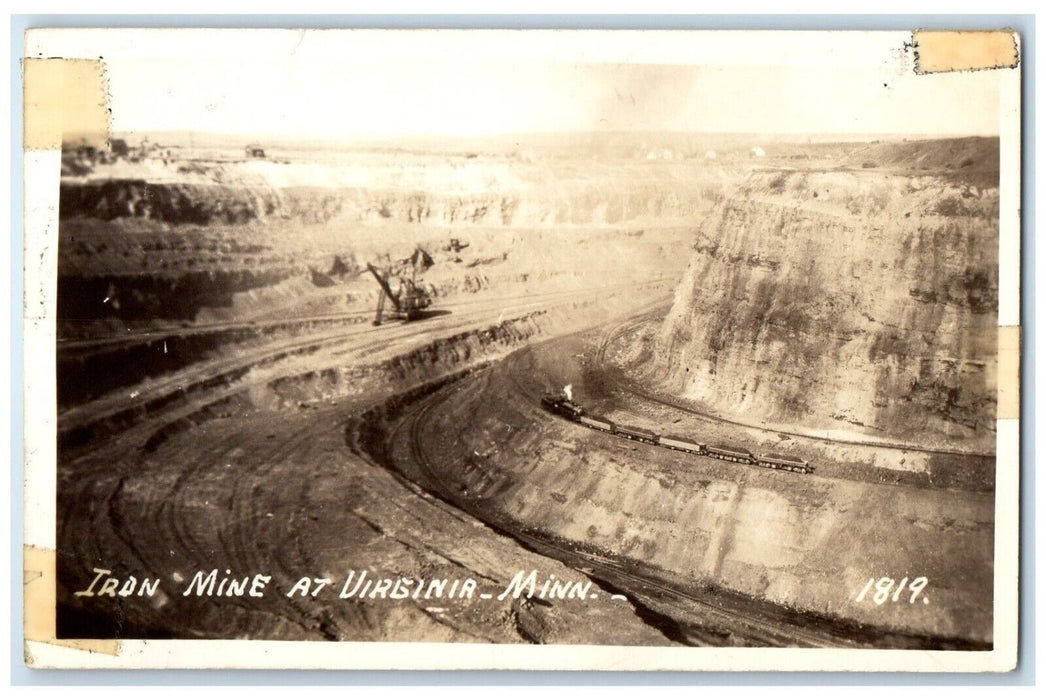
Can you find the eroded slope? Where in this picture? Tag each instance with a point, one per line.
(859, 301)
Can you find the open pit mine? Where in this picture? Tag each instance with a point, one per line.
(577, 396)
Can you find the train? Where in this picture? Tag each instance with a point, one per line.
(566, 407)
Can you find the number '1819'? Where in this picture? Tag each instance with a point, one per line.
(886, 586)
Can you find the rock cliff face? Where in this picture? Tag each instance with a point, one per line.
(149, 242)
(176, 203)
(531, 197)
(858, 301)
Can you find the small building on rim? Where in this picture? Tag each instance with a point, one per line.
(118, 148)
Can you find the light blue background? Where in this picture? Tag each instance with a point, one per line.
(1025, 675)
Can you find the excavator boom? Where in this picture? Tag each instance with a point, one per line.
(385, 287)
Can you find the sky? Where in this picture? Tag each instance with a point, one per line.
(327, 84)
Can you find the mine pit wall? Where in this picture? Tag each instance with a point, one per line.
(800, 541)
(443, 357)
(420, 366)
(412, 374)
(859, 301)
(608, 200)
(221, 238)
(91, 374)
(241, 391)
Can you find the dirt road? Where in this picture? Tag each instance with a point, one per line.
(250, 484)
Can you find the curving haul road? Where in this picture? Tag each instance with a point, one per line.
(245, 485)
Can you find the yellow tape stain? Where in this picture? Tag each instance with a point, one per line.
(65, 101)
(1009, 372)
(943, 52)
(38, 569)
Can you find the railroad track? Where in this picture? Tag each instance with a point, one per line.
(756, 631)
(630, 387)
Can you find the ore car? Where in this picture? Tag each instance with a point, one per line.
(682, 444)
(791, 464)
(638, 434)
(597, 422)
(731, 454)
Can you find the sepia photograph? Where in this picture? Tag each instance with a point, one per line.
(658, 350)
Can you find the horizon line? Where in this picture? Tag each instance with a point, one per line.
(509, 134)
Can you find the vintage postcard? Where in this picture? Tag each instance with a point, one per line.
(522, 349)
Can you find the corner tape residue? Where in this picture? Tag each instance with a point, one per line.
(943, 52)
(65, 101)
(38, 567)
(1009, 375)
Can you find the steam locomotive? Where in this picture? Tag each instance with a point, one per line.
(566, 407)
